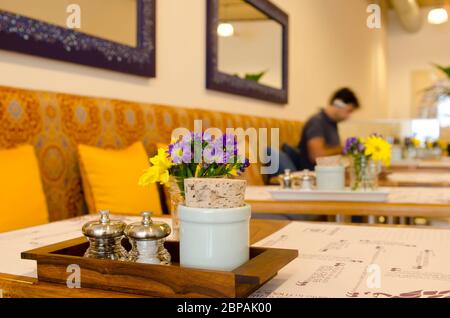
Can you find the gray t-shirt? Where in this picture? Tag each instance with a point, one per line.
(318, 126)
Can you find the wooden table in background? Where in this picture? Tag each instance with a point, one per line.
(421, 204)
(383, 182)
(26, 287)
(351, 209)
(442, 165)
(415, 179)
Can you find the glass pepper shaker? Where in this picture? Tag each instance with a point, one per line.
(105, 238)
(286, 179)
(147, 241)
(307, 180)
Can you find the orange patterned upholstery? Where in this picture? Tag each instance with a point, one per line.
(55, 123)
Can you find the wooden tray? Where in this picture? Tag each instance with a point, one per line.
(158, 280)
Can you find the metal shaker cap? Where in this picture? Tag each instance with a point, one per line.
(147, 229)
(307, 176)
(104, 228)
(285, 179)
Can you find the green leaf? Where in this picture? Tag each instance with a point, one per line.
(256, 77)
(189, 172)
(446, 70)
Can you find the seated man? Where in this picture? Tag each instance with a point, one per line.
(320, 137)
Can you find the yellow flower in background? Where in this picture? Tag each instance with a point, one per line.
(415, 142)
(159, 171)
(378, 149)
(442, 144)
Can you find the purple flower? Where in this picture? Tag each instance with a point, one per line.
(229, 140)
(197, 137)
(181, 152)
(230, 144)
(213, 153)
(245, 165)
(349, 144)
(207, 137)
(353, 146)
(204, 147)
(360, 147)
(227, 158)
(170, 149)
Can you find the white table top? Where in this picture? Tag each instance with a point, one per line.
(419, 177)
(333, 259)
(396, 195)
(360, 261)
(443, 163)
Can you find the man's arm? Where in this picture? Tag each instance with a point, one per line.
(317, 148)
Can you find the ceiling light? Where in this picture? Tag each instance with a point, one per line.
(437, 16)
(225, 30)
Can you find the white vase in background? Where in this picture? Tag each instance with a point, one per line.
(214, 239)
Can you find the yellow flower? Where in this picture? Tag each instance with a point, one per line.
(198, 169)
(161, 160)
(415, 142)
(234, 172)
(442, 144)
(159, 171)
(378, 149)
(151, 175)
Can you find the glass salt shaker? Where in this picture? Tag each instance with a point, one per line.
(105, 238)
(307, 181)
(147, 241)
(286, 179)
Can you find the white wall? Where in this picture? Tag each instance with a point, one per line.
(413, 54)
(330, 46)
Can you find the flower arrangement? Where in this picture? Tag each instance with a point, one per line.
(442, 144)
(412, 142)
(374, 149)
(437, 144)
(196, 155)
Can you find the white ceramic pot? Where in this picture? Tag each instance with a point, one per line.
(215, 239)
(330, 178)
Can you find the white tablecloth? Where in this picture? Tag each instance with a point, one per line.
(334, 259)
(396, 195)
(419, 177)
(439, 164)
(359, 261)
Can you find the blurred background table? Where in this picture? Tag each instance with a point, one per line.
(416, 178)
(421, 165)
(407, 202)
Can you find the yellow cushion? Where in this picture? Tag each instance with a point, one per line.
(22, 200)
(110, 180)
